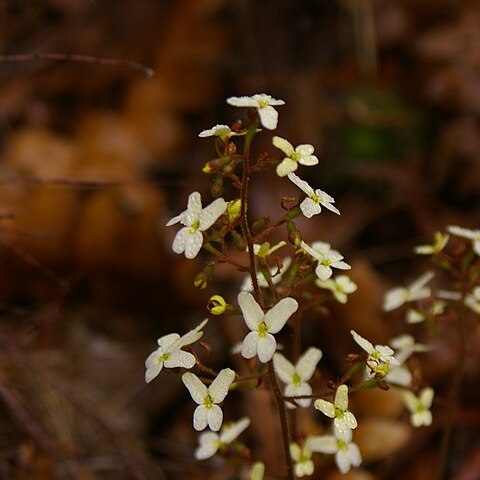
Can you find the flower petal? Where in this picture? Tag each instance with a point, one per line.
(252, 313)
(266, 347)
(231, 432)
(200, 419)
(180, 240)
(152, 371)
(180, 358)
(197, 389)
(426, 397)
(208, 445)
(242, 102)
(193, 244)
(286, 166)
(310, 208)
(268, 117)
(327, 408)
(283, 368)
(298, 391)
(301, 184)
(308, 362)
(363, 342)
(249, 346)
(194, 207)
(322, 444)
(341, 398)
(284, 145)
(218, 389)
(210, 214)
(167, 340)
(214, 417)
(278, 315)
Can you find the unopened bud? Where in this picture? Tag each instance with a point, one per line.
(259, 225)
(233, 209)
(239, 241)
(203, 279)
(217, 305)
(217, 187)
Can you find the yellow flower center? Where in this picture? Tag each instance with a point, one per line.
(208, 402)
(262, 329)
(194, 226)
(296, 380)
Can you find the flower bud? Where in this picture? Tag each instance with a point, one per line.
(239, 241)
(217, 187)
(233, 209)
(260, 225)
(203, 279)
(217, 305)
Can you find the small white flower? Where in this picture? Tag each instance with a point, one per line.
(472, 300)
(315, 198)
(415, 291)
(380, 357)
(189, 239)
(211, 442)
(343, 419)
(260, 341)
(303, 154)
(264, 105)
(439, 242)
(302, 458)
(340, 286)
(419, 407)
(473, 235)
(326, 258)
(405, 346)
(276, 276)
(265, 250)
(296, 376)
(169, 354)
(416, 316)
(222, 131)
(208, 412)
(347, 453)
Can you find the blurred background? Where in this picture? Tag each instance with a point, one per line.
(94, 159)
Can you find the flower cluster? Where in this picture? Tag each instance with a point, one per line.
(279, 288)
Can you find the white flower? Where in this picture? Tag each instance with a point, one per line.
(211, 442)
(315, 198)
(405, 346)
(169, 354)
(222, 131)
(416, 316)
(263, 103)
(296, 376)
(340, 286)
(303, 154)
(275, 276)
(343, 419)
(326, 258)
(439, 242)
(208, 412)
(347, 453)
(472, 300)
(380, 357)
(302, 457)
(415, 291)
(473, 235)
(260, 341)
(419, 407)
(265, 250)
(196, 220)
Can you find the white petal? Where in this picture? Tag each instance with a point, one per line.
(218, 389)
(308, 362)
(193, 335)
(323, 272)
(268, 117)
(180, 358)
(278, 315)
(231, 432)
(476, 246)
(341, 398)
(301, 184)
(410, 401)
(200, 420)
(327, 408)
(323, 444)
(208, 446)
(283, 368)
(197, 389)
(217, 130)
(298, 391)
(354, 454)
(209, 215)
(395, 298)
(422, 281)
(426, 397)
(305, 150)
(180, 240)
(295, 452)
(310, 208)
(214, 417)
(266, 347)
(193, 244)
(461, 232)
(249, 346)
(363, 342)
(242, 102)
(167, 340)
(252, 313)
(284, 145)
(177, 219)
(286, 166)
(153, 371)
(194, 208)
